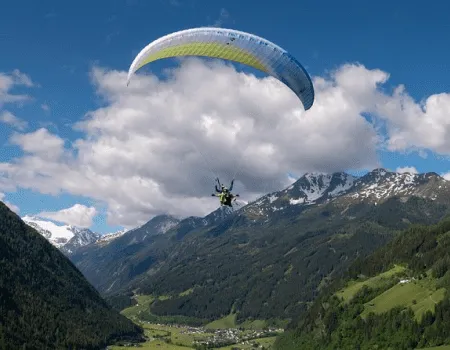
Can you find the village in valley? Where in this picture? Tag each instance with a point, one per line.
(221, 334)
(177, 336)
(223, 337)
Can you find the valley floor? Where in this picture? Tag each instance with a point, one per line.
(222, 334)
(170, 333)
(172, 337)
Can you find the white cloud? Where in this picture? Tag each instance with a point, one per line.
(8, 82)
(8, 118)
(21, 78)
(41, 143)
(156, 146)
(78, 215)
(413, 126)
(224, 15)
(11, 206)
(407, 169)
(45, 107)
(446, 176)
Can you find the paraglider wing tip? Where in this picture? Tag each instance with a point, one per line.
(130, 73)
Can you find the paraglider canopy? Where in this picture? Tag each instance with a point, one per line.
(232, 45)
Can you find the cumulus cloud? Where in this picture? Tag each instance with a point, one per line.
(446, 176)
(8, 118)
(40, 143)
(8, 82)
(78, 215)
(407, 169)
(156, 146)
(11, 206)
(413, 126)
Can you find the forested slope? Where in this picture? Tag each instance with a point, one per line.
(396, 298)
(45, 302)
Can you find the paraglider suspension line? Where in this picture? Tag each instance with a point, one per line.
(206, 161)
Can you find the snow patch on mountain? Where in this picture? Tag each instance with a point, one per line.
(346, 184)
(310, 189)
(55, 234)
(296, 201)
(81, 238)
(108, 237)
(319, 188)
(315, 186)
(381, 184)
(272, 198)
(64, 237)
(166, 225)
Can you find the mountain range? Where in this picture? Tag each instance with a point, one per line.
(67, 238)
(270, 258)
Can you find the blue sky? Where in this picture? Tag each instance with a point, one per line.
(56, 43)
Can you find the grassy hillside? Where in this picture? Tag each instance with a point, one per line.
(45, 302)
(354, 286)
(420, 296)
(396, 298)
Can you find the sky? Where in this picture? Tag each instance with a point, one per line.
(80, 147)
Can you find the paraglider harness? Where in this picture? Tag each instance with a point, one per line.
(224, 194)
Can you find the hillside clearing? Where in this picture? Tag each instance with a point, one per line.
(419, 295)
(354, 286)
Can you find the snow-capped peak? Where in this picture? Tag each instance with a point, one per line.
(57, 235)
(377, 185)
(310, 188)
(380, 184)
(61, 235)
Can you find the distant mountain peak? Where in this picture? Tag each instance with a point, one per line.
(377, 185)
(380, 184)
(160, 224)
(108, 237)
(64, 237)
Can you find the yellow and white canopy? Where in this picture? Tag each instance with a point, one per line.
(232, 45)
